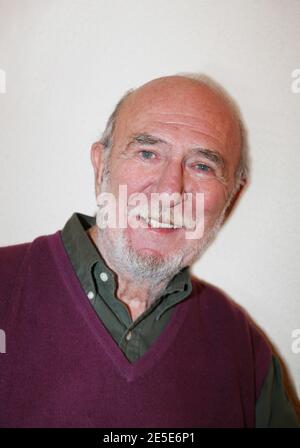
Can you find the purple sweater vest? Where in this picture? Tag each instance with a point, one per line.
(63, 369)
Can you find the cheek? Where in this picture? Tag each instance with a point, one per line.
(129, 175)
(120, 179)
(214, 201)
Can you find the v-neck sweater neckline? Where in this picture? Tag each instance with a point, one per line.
(130, 371)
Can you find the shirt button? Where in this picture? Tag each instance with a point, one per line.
(91, 295)
(104, 276)
(128, 336)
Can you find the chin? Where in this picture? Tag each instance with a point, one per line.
(150, 252)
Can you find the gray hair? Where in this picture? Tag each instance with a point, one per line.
(242, 172)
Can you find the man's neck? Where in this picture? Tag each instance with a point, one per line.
(138, 297)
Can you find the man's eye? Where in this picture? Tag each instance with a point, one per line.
(146, 155)
(203, 167)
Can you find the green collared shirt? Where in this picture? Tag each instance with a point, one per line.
(99, 284)
(273, 408)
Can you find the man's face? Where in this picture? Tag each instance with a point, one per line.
(174, 136)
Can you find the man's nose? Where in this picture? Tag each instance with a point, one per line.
(171, 179)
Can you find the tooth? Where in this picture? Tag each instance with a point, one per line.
(154, 223)
(157, 224)
(163, 225)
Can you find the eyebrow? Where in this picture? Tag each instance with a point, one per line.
(146, 139)
(213, 156)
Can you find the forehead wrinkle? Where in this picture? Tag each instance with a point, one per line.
(192, 119)
(177, 119)
(195, 127)
(206, 134)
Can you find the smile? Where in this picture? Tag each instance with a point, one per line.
(153, 223)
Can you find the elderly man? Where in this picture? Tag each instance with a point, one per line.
(104, 324)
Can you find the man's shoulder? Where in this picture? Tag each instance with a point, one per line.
(220, 308)
(15, 257)
(236, 329)
(11, 257)
(216, 299)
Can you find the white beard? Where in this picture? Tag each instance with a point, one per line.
(148, 267)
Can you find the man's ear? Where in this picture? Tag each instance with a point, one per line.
(234, 201)
(97, 159)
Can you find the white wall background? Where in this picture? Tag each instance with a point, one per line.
(66, 64)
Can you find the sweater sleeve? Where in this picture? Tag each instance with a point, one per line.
(273, 408)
